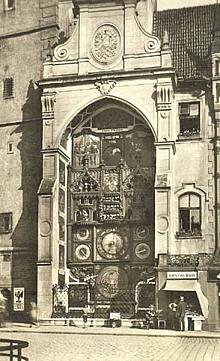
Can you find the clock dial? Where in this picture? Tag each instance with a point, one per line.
(82, 234)
(142, 251)
(142, 231)
(111, 244)
(111, 280)
(82, 252)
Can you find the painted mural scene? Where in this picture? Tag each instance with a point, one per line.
(110, 164)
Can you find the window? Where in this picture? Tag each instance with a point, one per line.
(189, 116)
(9, 4)
(8, 88)
(189, 215)
(5, 222)
(10, 148)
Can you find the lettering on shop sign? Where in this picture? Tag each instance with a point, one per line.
(190, 275)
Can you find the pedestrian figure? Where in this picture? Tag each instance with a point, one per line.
(172, 315)
(3, 301)
(85, 317)
(33, 314)
(151, 316)
(180, 312)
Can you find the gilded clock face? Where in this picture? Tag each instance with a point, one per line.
(142, 232)
(112, 244)
(142, 251)
(111, 280)
(82, 252)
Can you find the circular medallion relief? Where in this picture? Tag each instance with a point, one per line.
(163, 224)
(45, 228)
(106, 44)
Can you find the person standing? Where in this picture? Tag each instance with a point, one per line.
(85, 317)
(172, 315)
(33, 314)
(180, 312)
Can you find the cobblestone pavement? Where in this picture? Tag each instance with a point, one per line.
(87, 347)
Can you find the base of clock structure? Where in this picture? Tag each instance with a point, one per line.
(104, 289)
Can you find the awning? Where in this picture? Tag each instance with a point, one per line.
(189, 285)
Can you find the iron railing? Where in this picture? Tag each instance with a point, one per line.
(12, 349)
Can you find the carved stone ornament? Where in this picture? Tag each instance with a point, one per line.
(106, 44)
(152, 45)
(48, 100)
(165, 97)
(105, 86)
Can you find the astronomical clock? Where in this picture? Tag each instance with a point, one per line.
(111, 202)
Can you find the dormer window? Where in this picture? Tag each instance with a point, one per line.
(189, 119)
(9, 4)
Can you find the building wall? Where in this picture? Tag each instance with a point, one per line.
(24, 35)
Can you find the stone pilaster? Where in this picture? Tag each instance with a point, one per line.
(165, 149)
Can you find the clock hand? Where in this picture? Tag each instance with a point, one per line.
(83, 252)
(141, 250)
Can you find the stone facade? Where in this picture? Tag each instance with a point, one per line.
(109, 57)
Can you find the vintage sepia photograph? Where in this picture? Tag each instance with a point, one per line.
(110, 180)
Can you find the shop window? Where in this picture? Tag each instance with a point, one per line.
(189, 215)
(5, 222)
(189, 118)
(8, 88)
(9, 4)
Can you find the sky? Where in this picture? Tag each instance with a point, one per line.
(170, 4)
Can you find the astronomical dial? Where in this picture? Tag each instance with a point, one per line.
(142, 232)
(142, 251)
(82, 234)
(111, 280)
(82, 252)
(112, 244)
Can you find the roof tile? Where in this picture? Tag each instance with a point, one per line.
(190, 32)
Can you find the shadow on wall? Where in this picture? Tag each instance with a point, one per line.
(24, 272)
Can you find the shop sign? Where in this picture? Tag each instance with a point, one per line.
(214, 275)
(19, 299)
(182, 275)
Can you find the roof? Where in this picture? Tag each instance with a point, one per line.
(190, 32)
(46, 186)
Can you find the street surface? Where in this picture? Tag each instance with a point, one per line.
(89, 347)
